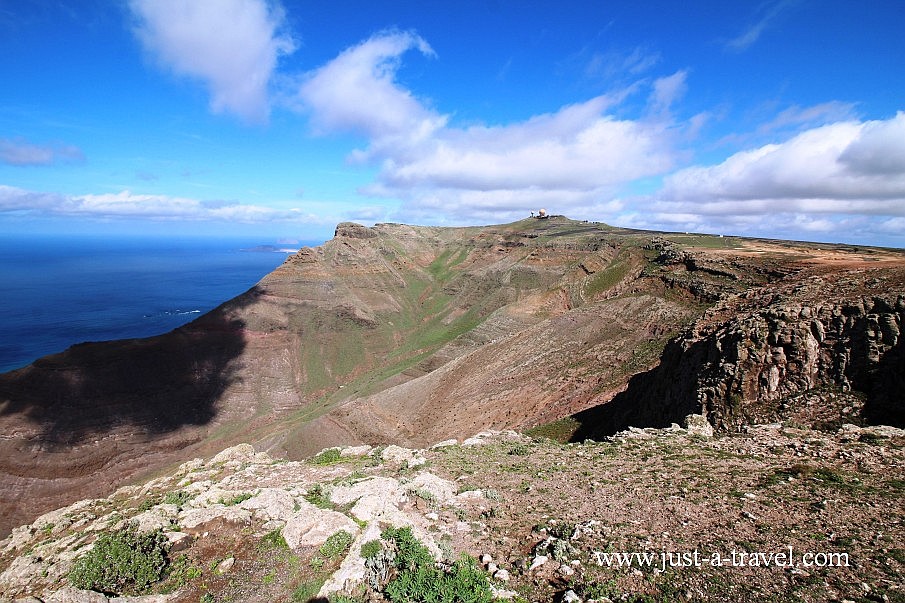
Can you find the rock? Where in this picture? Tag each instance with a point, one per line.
(189, 467)
(570, 597)
(194, 520)
(374, 506)
(354, 231)
(74, 595)
(397, 454)
(352, 570)
(240, 452)
(538, 561)
(152, 520)
(502, 575)
(441, 489)
(225, 565)
(470, 495)
(698, 425)
(500, 593)
(487, 437)
(145, 599)
(445, 444)
(311, 526)
(354, 451)
(21, 572)
(179, 541)
(270, 504)
(384, 487)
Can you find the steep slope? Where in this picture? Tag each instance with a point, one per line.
(817, 350)
(387, 334)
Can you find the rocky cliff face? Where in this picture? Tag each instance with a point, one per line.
(409, 335)
(817, 351)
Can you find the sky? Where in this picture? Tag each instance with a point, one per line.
(281, 118)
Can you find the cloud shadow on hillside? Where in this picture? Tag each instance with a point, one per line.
(157, 384)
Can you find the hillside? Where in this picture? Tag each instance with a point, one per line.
(771, 514)
(411, 335)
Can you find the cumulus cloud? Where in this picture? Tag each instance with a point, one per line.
(231, 45)
(839, 179)
(569, 159)
(848, 166)
(357, 92)
(20, 152)
(127, 205)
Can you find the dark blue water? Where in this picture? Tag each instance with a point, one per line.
(55, 292)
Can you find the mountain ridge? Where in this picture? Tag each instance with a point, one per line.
(398, 334)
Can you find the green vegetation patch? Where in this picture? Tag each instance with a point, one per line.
(122, 563)
(336, 545)
(560, 430)
(329, 456)
(235, 500)
(318, 497)
(306, 591)
(607, 278)
(274, 540)
(418, 579)
(820, 475)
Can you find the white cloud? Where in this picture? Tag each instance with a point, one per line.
(20, 152)
(848, 167)
(771, 11)
(667, 90)
(567, 160)
(128, 205)
(357, 92)
(230, 45)
(843, 181)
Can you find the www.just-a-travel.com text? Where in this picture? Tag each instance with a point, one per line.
(663, 560)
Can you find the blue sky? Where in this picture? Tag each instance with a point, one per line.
(782, 118)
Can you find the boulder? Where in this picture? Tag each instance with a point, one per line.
(311, 526)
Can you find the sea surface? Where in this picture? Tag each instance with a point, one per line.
(59, 291)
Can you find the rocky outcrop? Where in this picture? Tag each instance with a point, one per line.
(240, 491)
(804, 353)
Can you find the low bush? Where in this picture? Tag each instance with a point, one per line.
(328, 457)
(418, 578)
(122, 563)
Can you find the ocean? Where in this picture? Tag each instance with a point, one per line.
(59, 291)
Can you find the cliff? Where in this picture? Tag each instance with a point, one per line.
(815, 351)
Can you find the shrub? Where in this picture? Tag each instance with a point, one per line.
(306, 591)
(235, 500)
(336, 544)
(123, 562)
(328, 457)
(318, 497)
(178, 498)
(370, 549)
(419, 579)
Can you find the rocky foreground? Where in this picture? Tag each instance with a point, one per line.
(789, 513)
